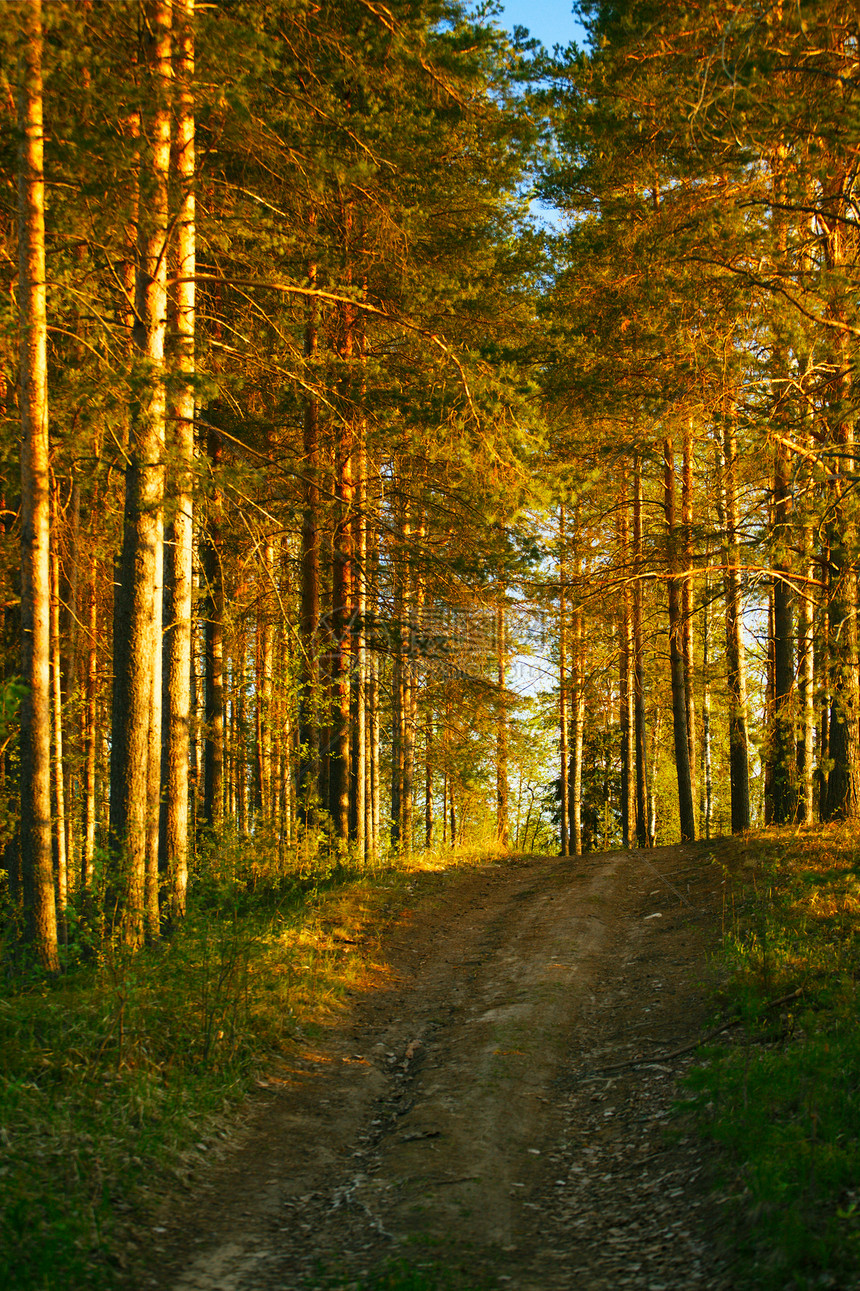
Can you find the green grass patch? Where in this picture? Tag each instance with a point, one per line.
(114, 1076)
(782, 1098)
(399, 1275)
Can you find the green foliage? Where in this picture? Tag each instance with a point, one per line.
(784, 1103)
(401, 1276)
(112, 1074)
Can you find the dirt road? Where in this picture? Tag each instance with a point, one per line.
(465, 1118)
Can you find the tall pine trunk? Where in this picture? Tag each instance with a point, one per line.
(843, 785)
(179, 553)
(502, 787)
(134, 639)
(626, 683)
(307, 778)
(676, 660)
(213, 633)
(782, 751)
(88, 850)
(577, 703)
(562, 683)
(687, 601)
(35, 714)
(735, 650)
(642, 817)
(342, 622)
(706, 799)
(60, 837)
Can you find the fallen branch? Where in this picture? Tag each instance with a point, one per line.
(696, 1044)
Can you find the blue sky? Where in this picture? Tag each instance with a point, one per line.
(550, 20)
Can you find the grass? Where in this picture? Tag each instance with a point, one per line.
(782, 1098)
(398, 1275)
(115, 1078)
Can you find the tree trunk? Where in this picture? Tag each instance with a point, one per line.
(358, 761)
(577, 723)
(502, 788)
(706, 809)
(398, 687)
(642, 831)
(180, 537)
(782, 750)
(444, 808)
(213, 616)
(806, 690)
(35, 713)
(627, 688)
(843, 785)
(735, 650)
(134, 641)
(687, 600)
(413, 614)
(88, 851)
(562, 683)
(652, 797)
(343, 565)
(806, 682)
(154, 756)
(373, 729)
(61, 866)
(676, 661)
(69, 676)
(307, 780)
(266, 798)
(428, 782)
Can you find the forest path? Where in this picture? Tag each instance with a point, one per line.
(463, 1118)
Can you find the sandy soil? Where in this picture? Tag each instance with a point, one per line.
(473, 1114)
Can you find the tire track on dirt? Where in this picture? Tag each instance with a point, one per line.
(463, 1118)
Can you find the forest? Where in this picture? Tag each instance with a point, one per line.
(416, 443)
(322, 433)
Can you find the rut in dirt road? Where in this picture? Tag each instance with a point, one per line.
(466, 1119)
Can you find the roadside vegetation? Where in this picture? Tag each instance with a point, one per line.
(120, 1074)
(782, 1098)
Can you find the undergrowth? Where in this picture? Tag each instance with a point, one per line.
(115, 1078)
(783, 1095)
(398, 1275)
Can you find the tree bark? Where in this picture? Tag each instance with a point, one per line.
(134, 641)
(676, 661)
(213, 617)
(307, 790)
(502, 787)
(735, 650)
(428, 782)
(642, 831)
(627, 688)
(180, 536)
(806, 668)
(154, 757)
(782, 751)
(60, 837)
(687, 602)
(562, 683)
(398, 687)
(358, 759)
(88, 851)
(577, 706)
(343, 564)
(35, 713)
(843, 785)
(265, 763)
(706, 808)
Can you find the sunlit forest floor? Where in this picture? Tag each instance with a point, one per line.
(453, 1076)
